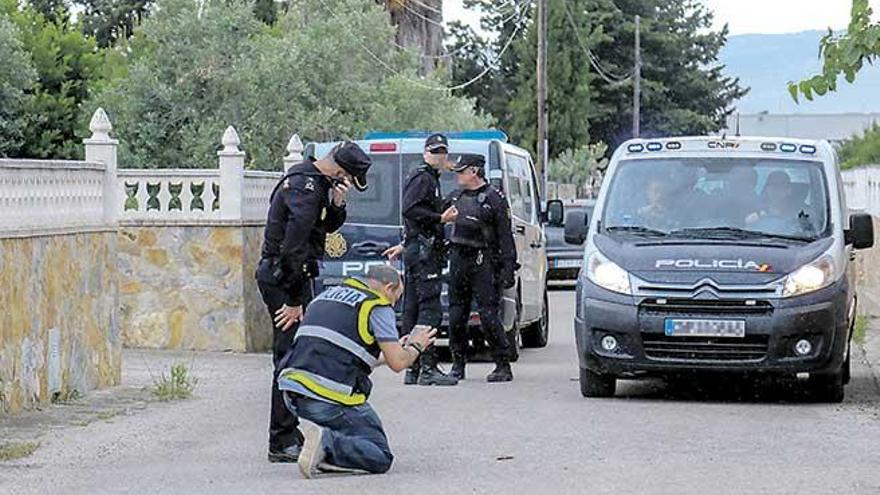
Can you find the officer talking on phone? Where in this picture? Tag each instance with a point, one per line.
(424, 255)
(301, 212)
(482, 263)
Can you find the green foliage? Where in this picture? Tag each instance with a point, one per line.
(842, 55)
(197, 67)
(576, 166)
(861, 150)
(176, 386)
(11, 451)
(860, 332)
(68, 65)
(16, 78)
(111, 21)
(684, 90)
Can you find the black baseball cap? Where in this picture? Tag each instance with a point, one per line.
(353, 160)
(467, 160)
(437, 143)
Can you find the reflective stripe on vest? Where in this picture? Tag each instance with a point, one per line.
(366, 308)
(338, 340)
(323, 387)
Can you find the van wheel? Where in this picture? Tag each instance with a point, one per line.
(828, 388)
(538, 332)
(596, 385)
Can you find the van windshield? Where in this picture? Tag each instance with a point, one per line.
(711, 197)
(380, 203)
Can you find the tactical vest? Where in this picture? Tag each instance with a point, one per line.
(334, 350)
(473, 226)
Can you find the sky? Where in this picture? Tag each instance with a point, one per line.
(745, 16)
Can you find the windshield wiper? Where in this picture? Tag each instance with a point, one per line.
(737, 233)
(637, 229)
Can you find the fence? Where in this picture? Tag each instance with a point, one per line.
(862, 187)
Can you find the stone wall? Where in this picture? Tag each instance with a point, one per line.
(58, 325)
(191, 287)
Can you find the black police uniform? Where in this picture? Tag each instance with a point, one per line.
(300, 215)
(482, 263)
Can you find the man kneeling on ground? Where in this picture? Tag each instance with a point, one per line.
(346, 332)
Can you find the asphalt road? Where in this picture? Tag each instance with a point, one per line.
(535, 435)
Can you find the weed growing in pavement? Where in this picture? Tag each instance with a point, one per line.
(861, 329)
(177, 385)
(17, 450)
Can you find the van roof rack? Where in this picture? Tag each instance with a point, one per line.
(474, 135)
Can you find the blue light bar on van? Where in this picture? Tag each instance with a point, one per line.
(787, 148)
(635, 148)
(655, 146)
(475, 135)
(808, 149)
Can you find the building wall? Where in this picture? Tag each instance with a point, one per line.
(191, 287)
(58, 325)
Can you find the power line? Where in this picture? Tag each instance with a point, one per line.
(594, 60)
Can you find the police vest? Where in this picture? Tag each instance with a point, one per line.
(472, 227)
(334, 350)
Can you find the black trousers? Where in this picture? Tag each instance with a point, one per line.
(471, 275)
(283, 431)
(422, 285)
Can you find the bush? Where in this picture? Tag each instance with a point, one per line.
(16, 78)
(861, 150)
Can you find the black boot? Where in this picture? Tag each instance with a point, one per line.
(502, 372)
(430, 374)
(458, 365)
(412, 374)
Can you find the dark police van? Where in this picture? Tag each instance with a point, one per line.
(374, 221)
(710, 254)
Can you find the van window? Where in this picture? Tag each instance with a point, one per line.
(772, 196)
(380, 203)
(519, 192)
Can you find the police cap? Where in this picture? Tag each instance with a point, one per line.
(353, 160)
(467, 160)
(437, 144)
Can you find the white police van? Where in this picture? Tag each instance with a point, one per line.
(708, 255)
(374, 220)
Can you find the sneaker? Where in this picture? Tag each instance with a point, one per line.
(330, 469)
(312, 453)
(501, 373)
(288, 454)
(433, 376)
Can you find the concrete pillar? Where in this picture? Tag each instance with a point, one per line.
(295, 150)
(231, 176)
(101, 148)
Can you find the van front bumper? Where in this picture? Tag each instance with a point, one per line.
(772, 327)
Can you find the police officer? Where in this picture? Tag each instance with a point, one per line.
(301, 212)
(424, 254)
(482, 263)
(348, 331)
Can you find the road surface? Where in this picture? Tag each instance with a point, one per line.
(535, 435)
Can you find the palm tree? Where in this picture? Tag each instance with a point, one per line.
(419, 27)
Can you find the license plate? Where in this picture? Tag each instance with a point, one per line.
(705, 328)
(576, 263)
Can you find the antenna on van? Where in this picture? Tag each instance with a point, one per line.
(737, 124)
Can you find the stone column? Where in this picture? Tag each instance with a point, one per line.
(231, 176)
(295, 150)
(101, 148)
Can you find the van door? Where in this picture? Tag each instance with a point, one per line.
(519, 194)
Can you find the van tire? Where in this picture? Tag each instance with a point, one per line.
(828, 388)
(594, 385)
(538, 332)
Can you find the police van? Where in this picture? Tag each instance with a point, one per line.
(374, 222)
(718, 255)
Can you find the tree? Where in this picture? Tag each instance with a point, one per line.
(110, 21)
(861, 150)
(419, 27)
(16, 79)
(68, 66)
(327, 69)
(843, 55)
(582, 166)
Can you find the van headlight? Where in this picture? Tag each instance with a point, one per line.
(607, 274)
(811, 277)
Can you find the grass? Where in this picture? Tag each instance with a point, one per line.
(861, 329)
(17, 450)
(177, 385)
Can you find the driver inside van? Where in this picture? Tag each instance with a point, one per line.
(779, 211)
(654, 213)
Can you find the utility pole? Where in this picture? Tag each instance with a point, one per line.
(543, 122)
(637, 81)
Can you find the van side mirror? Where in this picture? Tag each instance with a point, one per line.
(576, 223)
(555, 213)
(861, 231)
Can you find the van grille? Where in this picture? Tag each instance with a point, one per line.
(661, 306)
(749, 348)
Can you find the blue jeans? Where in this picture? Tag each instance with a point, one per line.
(353, 435)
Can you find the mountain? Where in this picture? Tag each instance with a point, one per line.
(766, 62)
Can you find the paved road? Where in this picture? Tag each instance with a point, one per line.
(536, 435)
